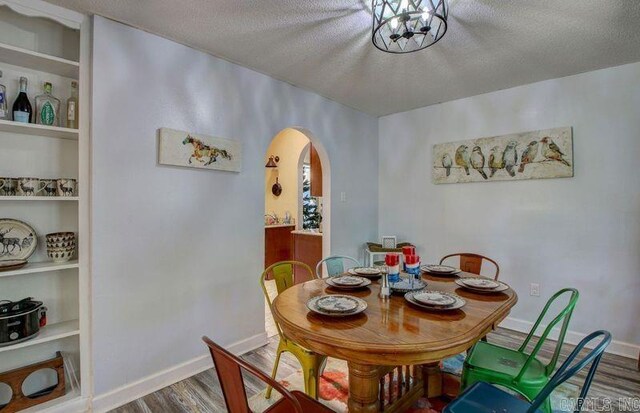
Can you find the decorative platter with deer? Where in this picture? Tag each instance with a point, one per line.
(18, 240)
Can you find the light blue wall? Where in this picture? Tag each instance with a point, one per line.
(177, 252)
(582, 231)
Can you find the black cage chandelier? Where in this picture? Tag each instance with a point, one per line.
(404, 26)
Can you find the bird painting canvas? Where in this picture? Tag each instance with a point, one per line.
(529, 155)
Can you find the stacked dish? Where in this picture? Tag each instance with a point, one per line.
(368, 272)
(336, 305)
(348, 282)
(61, 246)
(407, 284)
(435, 300)
(482, 285)
(443, 270)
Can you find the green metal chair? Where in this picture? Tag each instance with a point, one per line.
(312, 363)
(336, 265)
(516, 369)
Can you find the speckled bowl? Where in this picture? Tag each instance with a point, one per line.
(60, 254)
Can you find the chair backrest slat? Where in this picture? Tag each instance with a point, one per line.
(571, 367)
(336, 265)
(564, 316)
(472, 263)
(284, 274)
(231, 382)
(229, 369)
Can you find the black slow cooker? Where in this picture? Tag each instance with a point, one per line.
(20, 320)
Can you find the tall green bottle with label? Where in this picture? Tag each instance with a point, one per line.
(47, 107)
(21, 106)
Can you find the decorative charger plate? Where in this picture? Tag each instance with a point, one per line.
(12, 264)
(434, 298)
(459, 302)
(352, 271)
(320, 304)
(405, 285)
(501, 287)
(18, 240)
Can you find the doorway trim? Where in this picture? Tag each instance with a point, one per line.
(326, 184)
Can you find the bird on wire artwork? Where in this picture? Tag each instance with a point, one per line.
(530, 155)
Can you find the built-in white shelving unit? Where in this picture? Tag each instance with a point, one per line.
(47, 333)
(41, 267)
(40, 198)
(47, 43)
(18, 56)
(38, 130)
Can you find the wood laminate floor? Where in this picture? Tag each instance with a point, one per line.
(617, 380)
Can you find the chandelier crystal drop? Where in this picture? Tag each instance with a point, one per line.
(404, 26)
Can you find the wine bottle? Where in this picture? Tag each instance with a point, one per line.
(72, 107)
(4, 112)
(22, 107)
(47, 107)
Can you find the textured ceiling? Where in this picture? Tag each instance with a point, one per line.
(325, 45)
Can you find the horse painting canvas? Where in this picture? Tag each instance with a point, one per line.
(181, 148)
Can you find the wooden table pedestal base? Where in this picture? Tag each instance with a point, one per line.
(367, 393)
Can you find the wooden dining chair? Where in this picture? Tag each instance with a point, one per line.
(229, 369)
(482, 397)
(285, 274)
(472, 263)
(336, 265)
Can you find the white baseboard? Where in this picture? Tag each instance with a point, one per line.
(132, 391)
(619, 348)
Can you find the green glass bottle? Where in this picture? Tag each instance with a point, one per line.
(47, 107)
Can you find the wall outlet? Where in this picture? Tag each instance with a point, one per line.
(343, 197)
(535, 290)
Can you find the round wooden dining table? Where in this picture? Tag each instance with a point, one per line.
(391, 338)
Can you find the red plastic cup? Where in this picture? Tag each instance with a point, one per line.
(409, 250)
(411, 259)
(392, 259)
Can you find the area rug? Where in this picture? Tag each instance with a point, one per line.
(334, 388)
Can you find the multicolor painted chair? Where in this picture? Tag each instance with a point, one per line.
(516, 369)
(336, 265)
(285, 275)
(485, 398)
(472, 263)
(229, 369)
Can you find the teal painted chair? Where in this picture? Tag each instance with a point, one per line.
(519, 370)
(485, 398)
(336, 265)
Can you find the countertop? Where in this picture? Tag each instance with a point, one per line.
(279, 225)
(306, 232)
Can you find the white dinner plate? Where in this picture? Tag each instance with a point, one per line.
(312, 305)
(352, 271)
(459, 303)
(348, 280)
(434, 298)
(367, 271)
(481, 283)
(440, 269)
(331, 282)
(502, 287)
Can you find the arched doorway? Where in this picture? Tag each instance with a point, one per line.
(297, 191)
